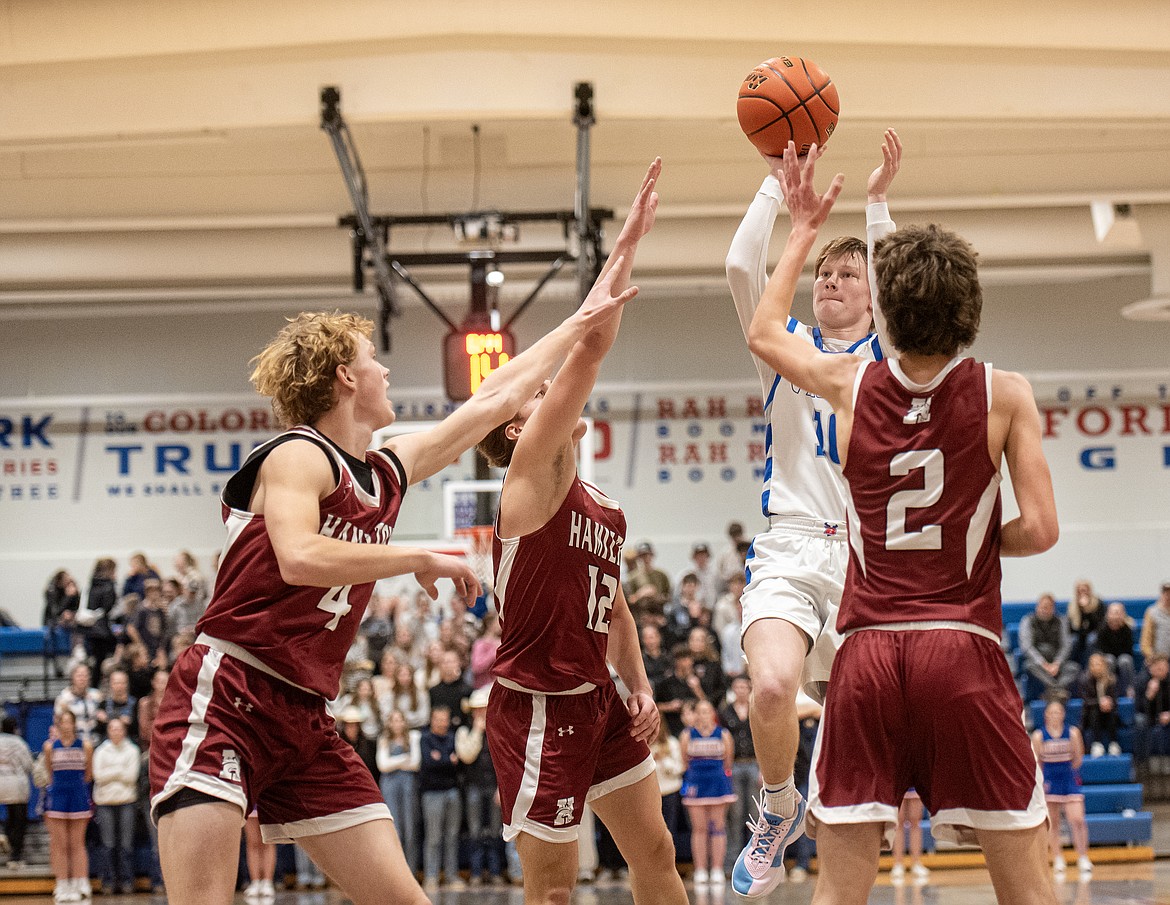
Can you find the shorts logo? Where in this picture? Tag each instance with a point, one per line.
(919, 412)
(565, 730)
(231, 766)
(564, 812)
(830, 529)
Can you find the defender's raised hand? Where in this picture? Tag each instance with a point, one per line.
(882, 176)
(807, 208)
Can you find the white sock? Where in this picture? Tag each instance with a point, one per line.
(780, 799)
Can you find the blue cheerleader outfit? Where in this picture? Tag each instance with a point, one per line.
(68, 794)
(1061, 781)
(705, 780)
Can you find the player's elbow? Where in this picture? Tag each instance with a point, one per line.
(296, 567)
(759, 338)
(1046, 535)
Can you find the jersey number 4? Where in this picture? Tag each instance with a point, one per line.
(602, 590)
(336, 601)
(928, 537)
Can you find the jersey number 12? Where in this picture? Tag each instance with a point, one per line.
(602, 590)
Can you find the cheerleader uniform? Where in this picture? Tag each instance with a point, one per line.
(68, 796)
(1061, 781)
(705, 780)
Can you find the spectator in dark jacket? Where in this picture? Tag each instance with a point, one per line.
(103, 597)
(1152, 704)
(1115, 641)
(438, 783)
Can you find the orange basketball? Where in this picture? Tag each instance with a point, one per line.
(787, 98)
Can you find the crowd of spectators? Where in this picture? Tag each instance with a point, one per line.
(415, 688)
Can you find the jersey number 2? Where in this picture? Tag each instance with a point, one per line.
(336, 601)
(929, 537)
(602, 590)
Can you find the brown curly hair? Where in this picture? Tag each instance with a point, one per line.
(928, 288)
(297, 368)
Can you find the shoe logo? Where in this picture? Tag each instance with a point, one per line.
(919, 412)
(564, 811)
(563, 731)
(238, 703)
(231, 766)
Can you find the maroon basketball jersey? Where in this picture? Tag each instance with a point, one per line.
(554, 591)
(924, 511)
(300, 633)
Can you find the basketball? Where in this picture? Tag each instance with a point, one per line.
(787, 99)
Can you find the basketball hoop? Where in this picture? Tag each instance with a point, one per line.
(479, 554)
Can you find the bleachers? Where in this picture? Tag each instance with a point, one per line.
(1113, 800)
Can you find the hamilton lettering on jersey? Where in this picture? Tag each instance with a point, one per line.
(599, 540)
(340, 529)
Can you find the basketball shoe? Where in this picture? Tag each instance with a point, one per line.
(760, 866)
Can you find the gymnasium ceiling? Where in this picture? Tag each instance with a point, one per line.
(167, 156)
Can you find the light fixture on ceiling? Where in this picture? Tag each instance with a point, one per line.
(1115, 224)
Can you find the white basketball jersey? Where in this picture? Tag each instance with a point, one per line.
(802, 471)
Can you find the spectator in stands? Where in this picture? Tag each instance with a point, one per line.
(139, 572)
(1100, 720)
(377, 627)
(647, 587)
(438, 782)
(407, 695)
(147, 711)
(118, 704)
(102, 598)
(729, 636)
(680, 686)
(1060, 750)
(1115, 642)
(80, 700)
(69, 760)
(362, 697)
(148, 707)
(1152, 704)
(731, 560)
(706, 572)
(184, 611)
(684, 611)
(1046, 645)
(16, 767)
(261, 861)
(707, 664)
(726, 604)
(451, 691)
(349, 726)
(116, 766)
(1156, 626)
(405, 644)
(654, 656)
(62, 600)
(150, 625)
(668, 768)
(745, 772)
(909, 816)
(484, 820)
(808, 713)
(1086, 614)
(398, 757)
(384, 678)
(429, 674)
(191, 580)
(483, 651)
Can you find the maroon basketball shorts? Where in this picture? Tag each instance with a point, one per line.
(554, 753)
(936, 710)
(232, 731)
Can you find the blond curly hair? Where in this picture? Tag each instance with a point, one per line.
(297, 368)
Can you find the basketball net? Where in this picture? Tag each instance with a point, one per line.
(479, 554)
